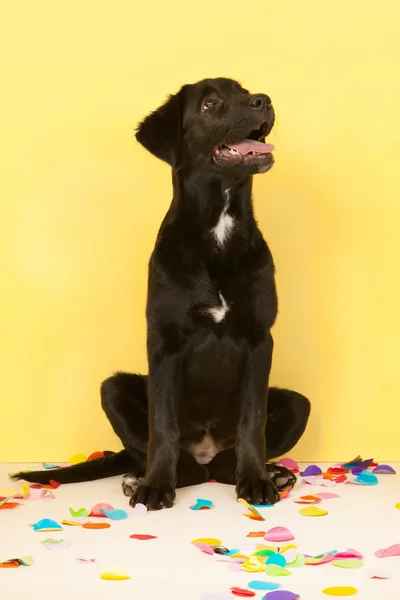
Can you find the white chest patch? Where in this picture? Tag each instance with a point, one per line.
(218, 312)
(222, 230)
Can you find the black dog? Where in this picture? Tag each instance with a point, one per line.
(203, 411)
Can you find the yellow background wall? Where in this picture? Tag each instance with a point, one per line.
(81, 203)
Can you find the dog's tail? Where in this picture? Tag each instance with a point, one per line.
(99, 468)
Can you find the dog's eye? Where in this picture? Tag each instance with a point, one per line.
(209, 103)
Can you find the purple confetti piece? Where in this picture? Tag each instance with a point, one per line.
(281, 595)
(384, 470)
(365, 464)
(311, 470)
(60, 546)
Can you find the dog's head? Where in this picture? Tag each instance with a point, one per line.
(214, 124)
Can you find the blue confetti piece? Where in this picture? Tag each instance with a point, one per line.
(46, 465)
(263, 585)
(201, 503)
(116, 514)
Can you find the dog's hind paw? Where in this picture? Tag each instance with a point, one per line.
(282, 477)
(130, 484)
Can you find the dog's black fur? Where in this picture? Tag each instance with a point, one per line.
(211, 306)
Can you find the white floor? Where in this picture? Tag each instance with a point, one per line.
(364, 518)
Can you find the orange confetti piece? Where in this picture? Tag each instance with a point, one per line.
(255, 534)
(9, 505)
(96, 525)
(12, 564)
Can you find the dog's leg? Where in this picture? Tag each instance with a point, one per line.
(124, 400)
(287, 416)
(253, 483)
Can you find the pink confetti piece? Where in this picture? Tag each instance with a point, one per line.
(326, 495)
(314, 480)
(204, 548)
(278, 534)
(290, 464)
(139, 510)
(349, 553)
(86, 561)
(387, 552)
(97, 508)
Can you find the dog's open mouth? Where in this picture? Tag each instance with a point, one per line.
(251, 149)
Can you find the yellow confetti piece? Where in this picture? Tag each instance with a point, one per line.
(76, 459)
(397, 505)
(115, 574)
(265, 547)
(340, 591)
(289, 547)
(313, 511)
(240, 556)
(72, 523)
(251, 567)
(213, 542)
(25, 490)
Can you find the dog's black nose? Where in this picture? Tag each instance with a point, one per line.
(259, 101)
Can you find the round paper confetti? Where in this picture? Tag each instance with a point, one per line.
(97, 508)
(209, 541)
(349, 563)
(278, 534)
(340, 591)
(115, 574)
(96, 525)
(276, 571)
(313, 511)
(276, 559)
(237, 591)
(281, 595)
(142, 536)
(263, 585)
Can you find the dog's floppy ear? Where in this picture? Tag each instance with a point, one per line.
(161, 131)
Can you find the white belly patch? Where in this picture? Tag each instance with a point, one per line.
(205, 451)
(218, 312)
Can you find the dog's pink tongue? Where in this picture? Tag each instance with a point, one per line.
(247, 146)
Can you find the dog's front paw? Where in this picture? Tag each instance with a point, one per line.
(153, 496)
(282, 477)
(257, 490)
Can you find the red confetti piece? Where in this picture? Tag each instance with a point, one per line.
(212, 481)
(97, 454)
(142, 536)
(237, 591)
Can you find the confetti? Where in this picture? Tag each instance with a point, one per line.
(278, 534)
(290, 555)
(8, 505)
(76, 459)
(299, 562)
(384, 470)
(313, 511)
(367, 478)
(349, 553)
(352, 463)
(209, 541)
(340, 591)
(254, 514)
(90, 525)
(289, 464)
(51, 541)
(254, 534)
(72, 523)
(115, 574)
(116, 514)
(276, 559)
(86, 561)
(311, 470)
(281, 595)
(94, 455)
(263, 585)
(319, 560)
(139, 510)
(308, 500)
(47, 525)
(81, 512)
(46, 465)
(326, 495)
(60, 545)
(142, 536)
(348, 563)
(237, 591)
(315, 480)
(396, 506)
(13, 563)
(98, 508)
(201, 504)
(387, 552)
(276, 571)
(374, 574)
